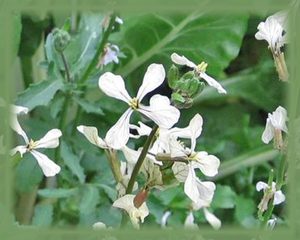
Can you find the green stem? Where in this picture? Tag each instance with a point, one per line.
(62, 123)
(66, 65)
(100, 49)
(280, 172)
(27, 70)
(268, 214)
(137, 168)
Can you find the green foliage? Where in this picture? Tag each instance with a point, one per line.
(224, 197)
(58, 192)
(43, 215)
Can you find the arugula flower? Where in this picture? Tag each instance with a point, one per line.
(200, 70)
(160, 110)
(276, 123)
(50, 140)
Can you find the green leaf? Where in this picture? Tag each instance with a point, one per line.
(42, 215)
(39, 94)
(58, 192)
(29, 173)
(57, 105)
(89, 107)
(111, 192)
(244, 208)
(224, 197)
(149, 38)
(72, 161)
(89, 200)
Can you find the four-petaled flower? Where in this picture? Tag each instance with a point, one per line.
(199, 69)
(50, 140)
(269, 193)
(160, 110)
(276, 123)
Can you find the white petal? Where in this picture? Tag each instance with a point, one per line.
(48, 167)
(200, 204)
(177, 150)
(14, 123)
(118, 135)
(280, 116)
(153, 78)
(261, 185)
(182, 60)
(160, 111)
(21, 149)
(278, 197)
(125, 202)
(18, 110)
(131, 157)
(91, 133)
(213, 83)
(189, 221)
(208, 164)
(164, 218)
(119, 20)
(268, 133)
(190, 185)
(99, 225)
(212, 219)
(180, 170)
(193, 131)
(143, 129)
(50, 140)
(114, 86)
(206, 191)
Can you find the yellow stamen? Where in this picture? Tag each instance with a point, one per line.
(134, 104)
(32, 144)
(202, 67)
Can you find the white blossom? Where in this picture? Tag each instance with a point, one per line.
(200, 69)
(126, 173)
(136, 215)
(269, 193)
(270, 31)
(165, 218)
(160, 110)
(276, 123)
(50, 140)
(110, 54)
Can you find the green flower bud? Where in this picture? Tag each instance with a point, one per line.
(181, 100)
(173, 76)
(61, 39)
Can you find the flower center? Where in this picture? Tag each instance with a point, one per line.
(202, 67)
(32, 144)
(134, 104)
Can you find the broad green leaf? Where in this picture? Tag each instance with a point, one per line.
(111, 192)
(72, 161)
(58, 192)
(56, 105)
(224, 197)
(200, 36)
(244, 208)
(39, 94)
(88, 106)
(89, 200)
(29, 173)
(42, 215)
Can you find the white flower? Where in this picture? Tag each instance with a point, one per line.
(160, 110)
(91, 133)
(50, 140)
(208, 165)
(279, 197)
(110, 54)
(276, 122)
(136, 215)
(126, 173)
(200, 69)
(271, 223)
(119, 20)
(271, 31)
(189, 221)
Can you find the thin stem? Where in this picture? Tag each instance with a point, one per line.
(268, 214)
(137, 167)
(100, 49)
(280, 172)
(66, 65)
(164, 157)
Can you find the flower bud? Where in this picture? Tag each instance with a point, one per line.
(61, 39)
(173, 76)
(140, 198)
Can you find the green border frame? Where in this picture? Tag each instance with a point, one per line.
(227, 232)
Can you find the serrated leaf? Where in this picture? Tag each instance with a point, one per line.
(42, 215)
(149, 38)
(224, 197)
(89, 200)
(89, 107)
(29, 173)
(72, 161)
(39, 94)
(58, 192)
